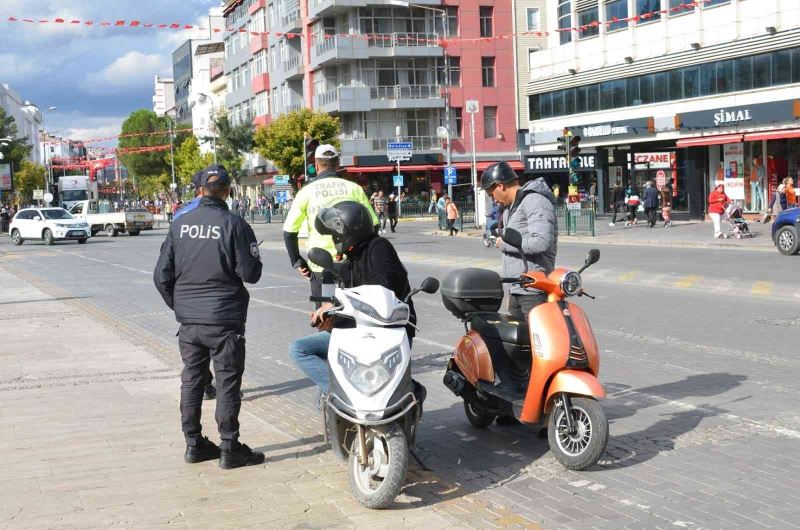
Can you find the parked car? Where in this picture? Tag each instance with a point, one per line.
(132, 221)
(48, 225)
(786, 231)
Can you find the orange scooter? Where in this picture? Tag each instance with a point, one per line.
(543, 371)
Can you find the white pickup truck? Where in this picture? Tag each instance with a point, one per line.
(113, 223)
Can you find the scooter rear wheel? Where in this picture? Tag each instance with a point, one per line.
(582, 449)
(376, 485)
(478, 416)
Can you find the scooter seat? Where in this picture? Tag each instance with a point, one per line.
(502, 327)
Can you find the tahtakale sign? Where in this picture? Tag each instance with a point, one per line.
(746, 116)
(557, 163)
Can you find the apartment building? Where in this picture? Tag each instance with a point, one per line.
(380, 67)
(163, 95)
(667, 90)
(530, 16)
(27, 118)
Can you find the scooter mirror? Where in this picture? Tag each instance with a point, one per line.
(429, 285)
(512, 237)
(321, 258)
(593, 257)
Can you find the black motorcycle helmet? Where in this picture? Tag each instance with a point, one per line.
(348, 222)
(499, 172)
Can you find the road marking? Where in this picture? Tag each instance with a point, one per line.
(628, 276)
(276, 287)
(98, 260)
(762, 288)
(687, 281)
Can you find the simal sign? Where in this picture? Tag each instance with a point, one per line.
(722, 117)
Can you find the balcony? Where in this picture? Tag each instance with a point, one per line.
(260, 83)
(343, 99)
(293, 67)
(257, 4)
(353, 145)
(404, 45)
(334, 49)
(258, 43)
(321, 8)
(406, 97)
(290, 22)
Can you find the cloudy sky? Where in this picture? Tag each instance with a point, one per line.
(95, 76)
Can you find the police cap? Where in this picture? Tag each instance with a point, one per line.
(217, 174)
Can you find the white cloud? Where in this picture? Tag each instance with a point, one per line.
(16, 69)
(132, 72)
(79, 126)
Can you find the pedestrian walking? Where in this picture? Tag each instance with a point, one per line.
(617, 202)
(650, 203)
(632, 202)
(392, 212)
(666, 203)
(5, 219)
(593, 194)
(205, 260)
(432, 207)
(168, 211)
(789, 191)
(380, 208)
(717, 200)
(777, 203)
(452, 214)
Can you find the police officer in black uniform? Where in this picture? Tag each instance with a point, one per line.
(206, 257)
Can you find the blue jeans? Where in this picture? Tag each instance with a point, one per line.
(310, 354)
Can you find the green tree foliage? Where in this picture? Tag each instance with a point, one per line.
(27, 178)
(282, 141)
(147, 163)
(233, 141)
(149, 186)
(189, 160)
(18, 149)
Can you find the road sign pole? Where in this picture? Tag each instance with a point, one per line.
(399, 202)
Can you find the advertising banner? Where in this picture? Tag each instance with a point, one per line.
(6, 184)
(733, 156)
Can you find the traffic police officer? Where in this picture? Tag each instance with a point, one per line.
(324, 191)
(206, 257)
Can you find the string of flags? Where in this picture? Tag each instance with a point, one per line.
(175, 26)
(131, 135)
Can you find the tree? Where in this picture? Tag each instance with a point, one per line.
(18, 149)
(27, 178)
(150, 186)
(189, 160)
(140, 123)
(282, 141)
(233, 141)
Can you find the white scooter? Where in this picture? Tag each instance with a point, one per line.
(373, 407)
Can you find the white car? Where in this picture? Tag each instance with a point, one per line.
(48, 225)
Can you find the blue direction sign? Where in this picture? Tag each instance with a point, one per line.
(399, 151)
(450, 175)
(397, 181)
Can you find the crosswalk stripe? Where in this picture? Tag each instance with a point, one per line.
(687, 281)
(629, 276)
(762, 288)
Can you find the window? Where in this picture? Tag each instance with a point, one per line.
(762, 70)
(487, 68)
(569, 101)
(676, 84)
(489, 122)
(593, 98)
(581, 104)
(661, 87)
(455, 72)
(558, 103)
(534, 19)
(617, 9)
(531, 51)
(691, 86)
(585, 19)
(565, 21)
(632, 91)
(781, 67)
(546, 105)
(606, 95)
(712, 3)
(649, 9)
(725, 81)
(796, 65)
(743, 72)
(452, 22)
(456, 122)
(533, 108)
(677, 7)
(486, 14)
(708, 79)
(646, 89)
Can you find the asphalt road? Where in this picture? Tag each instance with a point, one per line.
(699, 357)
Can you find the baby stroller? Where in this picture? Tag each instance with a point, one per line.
(737, 226)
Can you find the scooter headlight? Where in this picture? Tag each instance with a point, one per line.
(399, 315)
(370, 379)
(571, 284)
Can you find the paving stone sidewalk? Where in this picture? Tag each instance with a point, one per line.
(89, 432)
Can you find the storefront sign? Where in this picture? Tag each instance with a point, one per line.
(665, 160)
(615, 130)
(733, 156)
(557, 163)
(776, 112)
(5, 178)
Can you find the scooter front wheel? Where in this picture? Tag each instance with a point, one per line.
(376, 484)
(582, 449)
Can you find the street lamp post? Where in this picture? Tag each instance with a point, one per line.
(44, 144)
(169, 113)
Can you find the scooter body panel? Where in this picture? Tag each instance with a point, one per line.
(473, 359)
(573, 382)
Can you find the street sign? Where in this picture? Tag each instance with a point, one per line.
(38, 195)
(472, 106)
(399, 151)
(281, 180)
(48, 198)
(397, 181)
(661, 178)
(450, 175)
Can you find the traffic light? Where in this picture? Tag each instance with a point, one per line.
(574, 158)
(563, 142)
(311, 145)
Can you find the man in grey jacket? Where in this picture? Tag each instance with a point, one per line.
(530, 210)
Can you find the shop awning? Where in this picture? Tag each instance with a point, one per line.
(481, 165)
(772, 135)
(268, 182)
(718, 139)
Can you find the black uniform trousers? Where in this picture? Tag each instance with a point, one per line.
(519, 305)
(225, 345)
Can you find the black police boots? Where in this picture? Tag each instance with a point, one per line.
(204, 450)
(238, 456)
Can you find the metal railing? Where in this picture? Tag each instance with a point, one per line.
(466, 217)
(576, 222)
(391, 40)
(405, 92)
(326, 98)
(291, 63)
(291, 17)
(324, 43)
(294, 107)
(421, 143)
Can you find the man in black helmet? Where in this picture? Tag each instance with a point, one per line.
(371, 260)
(530, 210)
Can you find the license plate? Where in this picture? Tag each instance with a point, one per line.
(138, 223)
(76, 233)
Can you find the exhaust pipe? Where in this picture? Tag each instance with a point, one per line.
(455, 382)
